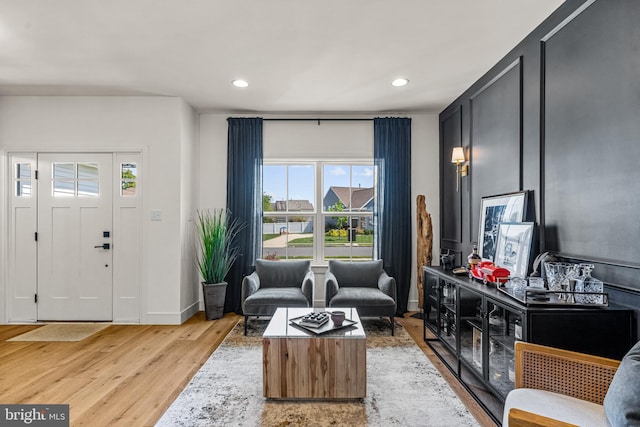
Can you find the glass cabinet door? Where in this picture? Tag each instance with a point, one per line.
(431, 289)
(471, 329)
(448, 321)
(505, 328)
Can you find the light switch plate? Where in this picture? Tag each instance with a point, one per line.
(156, 215)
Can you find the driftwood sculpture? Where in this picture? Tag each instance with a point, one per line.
(425, 242)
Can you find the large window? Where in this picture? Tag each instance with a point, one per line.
(318, 210)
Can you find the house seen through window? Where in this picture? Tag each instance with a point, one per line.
(318, 211)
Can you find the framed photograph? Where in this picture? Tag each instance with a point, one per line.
(514, 246)
(493, 211)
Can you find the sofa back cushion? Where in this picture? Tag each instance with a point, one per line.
(622, 401)
(281, 274)
(352, 274)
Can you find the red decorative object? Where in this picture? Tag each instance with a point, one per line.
(488, 272)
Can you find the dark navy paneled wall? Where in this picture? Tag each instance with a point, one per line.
(558, 116)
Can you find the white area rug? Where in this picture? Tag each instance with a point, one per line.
(403, 389)
(61, 332)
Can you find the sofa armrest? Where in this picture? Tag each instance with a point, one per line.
(387, 284)
(330, 287)
(308, 286)
(520, 418)
(250, 285)
(547, 368)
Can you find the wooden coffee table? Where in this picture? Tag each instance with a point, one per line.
(301, 365)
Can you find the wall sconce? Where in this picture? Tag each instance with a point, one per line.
(457, 157)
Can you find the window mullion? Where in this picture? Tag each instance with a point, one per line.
(318, 229)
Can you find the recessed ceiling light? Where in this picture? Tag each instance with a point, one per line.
(240, 83)
(400, 82)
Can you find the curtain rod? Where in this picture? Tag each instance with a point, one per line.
(318, 120)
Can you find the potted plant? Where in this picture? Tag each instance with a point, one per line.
(215, 256)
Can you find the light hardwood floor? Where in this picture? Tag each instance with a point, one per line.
(128, 375)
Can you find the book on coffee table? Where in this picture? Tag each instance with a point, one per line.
(314, 320)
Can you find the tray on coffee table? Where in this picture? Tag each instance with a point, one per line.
(327, 327)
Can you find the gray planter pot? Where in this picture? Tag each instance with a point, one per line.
(214, 294)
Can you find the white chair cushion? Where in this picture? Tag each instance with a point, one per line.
(556, 406)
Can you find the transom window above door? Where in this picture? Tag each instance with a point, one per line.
(75, 179)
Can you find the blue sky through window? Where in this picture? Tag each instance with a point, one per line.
(338, 176)
(302, 180)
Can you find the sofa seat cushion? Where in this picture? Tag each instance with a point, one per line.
(622, 402)
(368, 300)
(265, 301)
(556, 406)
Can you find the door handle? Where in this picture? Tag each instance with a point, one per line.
(104, 246)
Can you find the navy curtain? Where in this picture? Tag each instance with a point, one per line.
(392, 233)
(244, 200)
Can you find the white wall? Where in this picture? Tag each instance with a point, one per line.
(425, 179)
(330, 140)
(344, 140)
(153, 125)
(213, 161)
(189, 280)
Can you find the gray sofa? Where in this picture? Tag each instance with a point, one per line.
(276, 284)
(363, 285)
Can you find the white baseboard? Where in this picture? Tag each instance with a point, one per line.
(126, 322)
(189, 312)
(160, 318)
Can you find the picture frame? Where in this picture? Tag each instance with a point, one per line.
(513, 247)
(495, 210)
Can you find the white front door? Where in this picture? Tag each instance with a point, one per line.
(75, 237)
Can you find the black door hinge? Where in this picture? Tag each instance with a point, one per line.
(37, 174)
(35, 298)
(36, 233)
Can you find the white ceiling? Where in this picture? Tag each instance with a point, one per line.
(297, 55)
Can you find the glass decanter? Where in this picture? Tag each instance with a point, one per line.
(588, 287)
